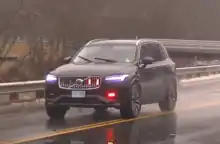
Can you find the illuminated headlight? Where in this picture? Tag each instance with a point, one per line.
(117, 77)
(51, 78)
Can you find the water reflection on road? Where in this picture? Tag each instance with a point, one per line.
(156, 130)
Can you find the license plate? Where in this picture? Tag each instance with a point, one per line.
(78, 94)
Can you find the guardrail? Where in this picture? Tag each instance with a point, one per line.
(190, 46)
(199, 46)
(197, 71)
(32, 90)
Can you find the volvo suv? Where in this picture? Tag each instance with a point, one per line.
(123, 74)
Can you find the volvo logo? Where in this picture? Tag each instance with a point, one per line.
(79, 81)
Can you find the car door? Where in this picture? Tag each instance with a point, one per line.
(150, 80)
(167, 70)
(161, 64)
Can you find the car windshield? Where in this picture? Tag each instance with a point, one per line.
(112, 53)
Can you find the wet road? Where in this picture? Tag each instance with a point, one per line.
(195, 121)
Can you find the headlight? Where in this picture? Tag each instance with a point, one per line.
(117, 77)
(51, 78)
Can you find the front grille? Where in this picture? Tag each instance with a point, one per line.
(73, 83)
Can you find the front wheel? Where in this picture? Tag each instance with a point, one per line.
(130, 104)
(169, 103)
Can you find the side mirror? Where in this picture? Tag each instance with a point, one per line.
(147, 60)
(67, 59)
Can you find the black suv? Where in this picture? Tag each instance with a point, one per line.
(123, 74)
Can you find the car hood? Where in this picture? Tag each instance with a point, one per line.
(93, 69)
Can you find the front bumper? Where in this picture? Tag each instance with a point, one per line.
(87, 102)
(94, 98)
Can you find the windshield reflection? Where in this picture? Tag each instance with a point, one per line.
(158, 130)
(122, 53)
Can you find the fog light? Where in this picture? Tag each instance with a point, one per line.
(111, 94)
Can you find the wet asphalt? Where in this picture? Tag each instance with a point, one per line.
(195, 121)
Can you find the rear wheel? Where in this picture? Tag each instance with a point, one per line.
(130, 104)
(169, 103)
(55, 112)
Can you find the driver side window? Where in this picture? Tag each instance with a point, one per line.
(151, 50)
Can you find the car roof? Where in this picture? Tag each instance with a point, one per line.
(120, 41)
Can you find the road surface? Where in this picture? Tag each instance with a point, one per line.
(195, 121)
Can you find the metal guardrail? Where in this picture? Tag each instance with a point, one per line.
(19, 87)
(200, 46)
(200, 70)
(191, 46)
(30, 86)
(20, 92)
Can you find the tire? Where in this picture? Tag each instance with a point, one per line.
(55, 112)
(130, 104)
(169, 103)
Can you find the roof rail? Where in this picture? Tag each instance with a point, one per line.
(95, 40)
(146, 39)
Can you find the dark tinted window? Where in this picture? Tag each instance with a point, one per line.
(151, 50)
(163, 51)
(118, 52)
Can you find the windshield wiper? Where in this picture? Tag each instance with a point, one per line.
(107, 60)
(85, 59)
